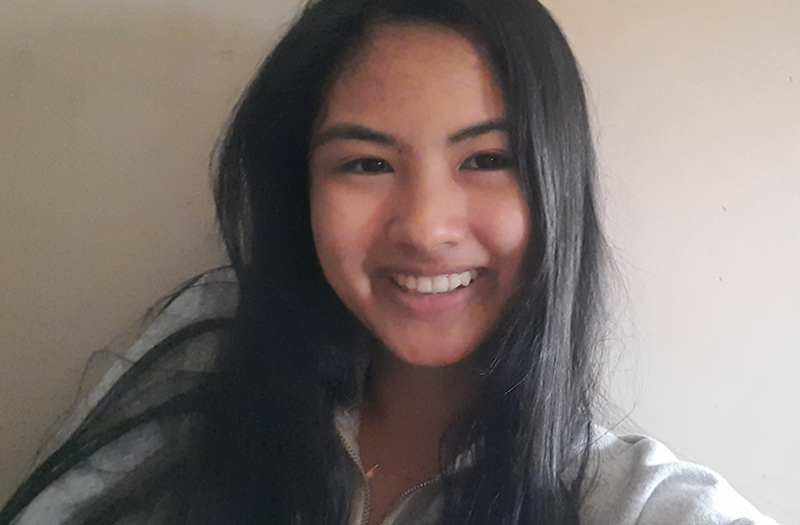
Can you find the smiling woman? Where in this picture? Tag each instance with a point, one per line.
(409, 333)
(420, 228)
(410, 197)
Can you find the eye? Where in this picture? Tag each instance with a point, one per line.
(487, 162)
(367, 166)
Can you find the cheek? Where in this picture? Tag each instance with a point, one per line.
(510, 231)
(505, 229)
(339, 225)
(330, 235)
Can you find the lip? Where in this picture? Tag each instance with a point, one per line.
(428, 271)
(427, 304)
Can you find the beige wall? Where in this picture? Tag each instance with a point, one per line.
(697, 104)
(108, 111)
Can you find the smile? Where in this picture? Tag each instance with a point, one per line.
(434, 284)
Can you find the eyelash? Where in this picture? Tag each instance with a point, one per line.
(476, 162)
(358, 167)
(497, 162)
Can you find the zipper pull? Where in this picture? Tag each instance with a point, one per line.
(371, 472)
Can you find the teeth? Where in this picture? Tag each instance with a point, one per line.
(454, 281)
(424, 285)
(436, 284)
(441, 284)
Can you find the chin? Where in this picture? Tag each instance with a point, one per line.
(425, 356)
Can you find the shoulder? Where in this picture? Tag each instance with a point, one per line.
(123, 465)
(636, 479)
(210, 295)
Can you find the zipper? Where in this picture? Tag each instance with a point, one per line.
(405, 495)
(399, 501)
(357, 461)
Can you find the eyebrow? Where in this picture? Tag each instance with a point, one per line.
(348, 131)
(352, 132)
(478, 130)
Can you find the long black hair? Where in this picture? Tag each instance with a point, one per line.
(293, 353)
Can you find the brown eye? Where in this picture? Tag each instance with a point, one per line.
(367, 166)
(487, 162)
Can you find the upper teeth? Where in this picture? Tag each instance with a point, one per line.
(435, 284)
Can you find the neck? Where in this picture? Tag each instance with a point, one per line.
(422, 401)
(403, 417)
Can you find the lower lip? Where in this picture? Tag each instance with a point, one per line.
(429, 303)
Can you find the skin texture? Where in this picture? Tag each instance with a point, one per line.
(411, 174)
(419, 197)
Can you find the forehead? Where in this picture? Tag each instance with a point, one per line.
(403, 68)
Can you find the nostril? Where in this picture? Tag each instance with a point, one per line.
(429, 220)
(427, 235)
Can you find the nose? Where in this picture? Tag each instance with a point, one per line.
(429, 211)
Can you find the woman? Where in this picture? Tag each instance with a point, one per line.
(406, 197)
